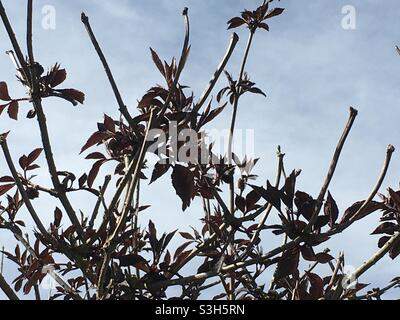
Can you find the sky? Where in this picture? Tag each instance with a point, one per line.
(311, 68)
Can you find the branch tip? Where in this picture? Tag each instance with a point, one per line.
(391, 148)
(353, 112)
(235, 37)
(84, 18)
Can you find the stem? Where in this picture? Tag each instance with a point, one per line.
(52, 166)
(12, 37)
(373, 193)
(99, 201)
(207, 91)
(269, 207)
(394, 240)
(233, 120)
(29, 41)
(332, 168)
(135, 170)
(202, 276)
(7, 289)
(122, 107)
(230, 143)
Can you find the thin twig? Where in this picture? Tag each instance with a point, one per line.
(100, 199)
(332, 168)
(109, 244)
(12, 37)
(122, 107)
(181, 65)
(210, 86)
(393, 241)
(339, 228)
(7, 289)
(257, 232)
(202, 276)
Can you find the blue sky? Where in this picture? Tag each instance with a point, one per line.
(310, 67)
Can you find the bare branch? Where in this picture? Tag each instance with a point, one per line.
(231, 47)
(332, 168)
(9, 292)
(122, 107)
(393, 241)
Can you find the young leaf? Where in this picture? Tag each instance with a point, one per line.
(235, 22)
(4, 92)
(13, 110)
(183, 182)
(157, 61)
(274, 12)
(159, 170)
(32, 157)
(331, 210)
(94, 172)
(95, 138)
(5, 188)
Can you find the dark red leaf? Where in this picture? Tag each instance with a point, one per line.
(23, 162)
(386, 227)
(288, 264)
(6, 179)
(58, 77)
(4, 95)
(382, 241)
(34, 155)
(159, 170)
(134, 260)
(186, 236)
(73, 95)
(157, 61)
(57, 217)
(352, 211)
(94, 172)
(331, 209)
(5, 188)
(109, 123)
(323, 257)
(240, 203)
(13, 110)
(271, 195)
(235, 22)
(251, 199)
(95, 138)
(308, 253)
(82, 180)
(95, 156)
(183, 182)
(317, 286)
(395, 251)
(274, 12)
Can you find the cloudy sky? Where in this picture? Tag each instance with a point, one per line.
(311, 68)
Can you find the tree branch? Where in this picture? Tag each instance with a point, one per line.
(9, 292)
(394, 240)
(332, 168)
(206, 93)
(122, 107)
